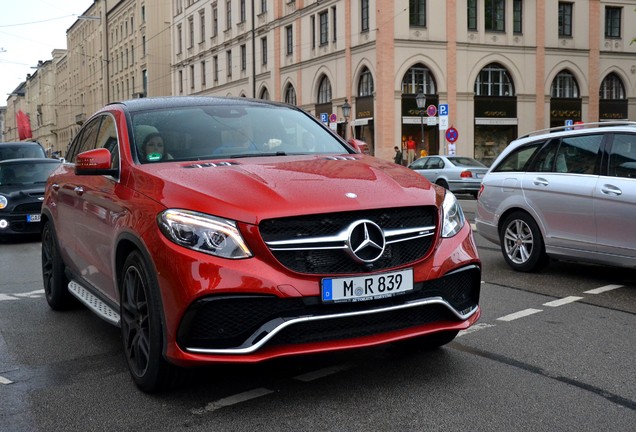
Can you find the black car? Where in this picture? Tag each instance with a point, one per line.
(22, 149)
(22, 184)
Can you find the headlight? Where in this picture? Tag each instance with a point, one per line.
(453, 216)
(3, 201)
(203, 233)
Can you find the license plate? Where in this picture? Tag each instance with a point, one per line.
(33, 218)
(361, 288)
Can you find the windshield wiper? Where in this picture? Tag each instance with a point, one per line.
(244, 155)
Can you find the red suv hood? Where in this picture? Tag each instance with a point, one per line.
(252, 189)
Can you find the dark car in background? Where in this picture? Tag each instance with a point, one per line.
(22, 184)
(20, 150)
(459, 174)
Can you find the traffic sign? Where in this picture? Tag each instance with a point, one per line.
(452, 134)
(443, 110)
(324, 117)
(333, 118)
(431, 110)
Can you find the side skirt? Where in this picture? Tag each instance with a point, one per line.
(100, 308)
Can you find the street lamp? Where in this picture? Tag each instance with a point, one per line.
(346, 111)
(420, 99)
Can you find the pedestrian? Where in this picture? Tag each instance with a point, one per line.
(410, 150)
(423, 153)
(398, 155)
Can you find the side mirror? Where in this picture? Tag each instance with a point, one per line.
(94, 162)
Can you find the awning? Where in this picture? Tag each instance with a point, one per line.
(361, 121)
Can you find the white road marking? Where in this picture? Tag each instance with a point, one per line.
(5, 381)
(233, 400)
(321, 373)
(32, 294)
(474, 328)
(603, 289)
(4, 297)
(520, 314)
(564, 300)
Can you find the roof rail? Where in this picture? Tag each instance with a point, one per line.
(580, 126)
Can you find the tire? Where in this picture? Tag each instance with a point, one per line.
(141, 327)
(442, 183)
(522, 243)
(55, 282)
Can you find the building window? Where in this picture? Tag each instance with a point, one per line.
(290, 40)
(334, 22)
(564, 86)
(517, 16)
(264, 50)
(612, 22)
(494, 80)
(495, 15)
(242, 12)
(364, 15)
(228, 63)
(191, 77)
(324, 91)
(312, 21)
(417, 13)
(565, 19)
(143, 14)
(290, 95)
(215, 21)
(263, 6)
(215, 68)
(190, 32)
(202, 26)
(418, 79)
(180, 81)
(365, 86)
(324, 28)
(264, 94)
(472, 15)
(243, 58)
(612, 87)
(179, 39)
(228, 15)
(203, 73)
(143, 46)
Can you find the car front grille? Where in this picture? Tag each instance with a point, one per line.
(315, 252)
(31, 208)
(240, 322)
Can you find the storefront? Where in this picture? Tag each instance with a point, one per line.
(412, 120)
(362, 126)
(613, 109)
(564, 110)
(495, 126)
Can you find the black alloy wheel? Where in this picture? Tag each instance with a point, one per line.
(55, 282)
(141, 327)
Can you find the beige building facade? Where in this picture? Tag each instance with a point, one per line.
(503, 68)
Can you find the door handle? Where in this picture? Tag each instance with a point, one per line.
(608, 189)
(540, 181)
(55, 186)
(79, 190)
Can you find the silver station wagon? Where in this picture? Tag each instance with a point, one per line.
(563, 193)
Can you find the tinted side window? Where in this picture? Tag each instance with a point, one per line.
(107, 138)
(87, 140)
(622, 160)
(518, 159)
(578, 155)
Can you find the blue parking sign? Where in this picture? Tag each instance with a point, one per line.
(443, 109)
(324, 117)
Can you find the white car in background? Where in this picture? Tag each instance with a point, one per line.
(563, 193)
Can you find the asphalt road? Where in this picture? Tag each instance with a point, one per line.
(552, 352)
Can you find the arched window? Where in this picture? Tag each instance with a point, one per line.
(324, 91)
(494, 80)
(564, 86)
(612, 87)
(290, 95)
(365, 85)
(264, 94)
(418, 79)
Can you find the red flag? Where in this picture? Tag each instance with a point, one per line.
(24, 125)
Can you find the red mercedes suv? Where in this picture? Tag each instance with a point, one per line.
(236, 230)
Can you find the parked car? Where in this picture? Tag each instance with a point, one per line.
(246, 244)
(565, 194)
(21, 149)
(359, 145)
(459, 174)
(21, 193)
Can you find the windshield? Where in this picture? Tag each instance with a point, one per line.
(26, 173)
(466, 162)
(20, 151)
(228, 131)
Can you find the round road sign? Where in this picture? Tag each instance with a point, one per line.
(451, 134)
(431, 110)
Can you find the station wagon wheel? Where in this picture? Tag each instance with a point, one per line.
(55, 282)
(141, 327)
(443, 183)
(522, 244)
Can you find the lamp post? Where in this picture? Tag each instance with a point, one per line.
(420, 99)
(346, 111)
